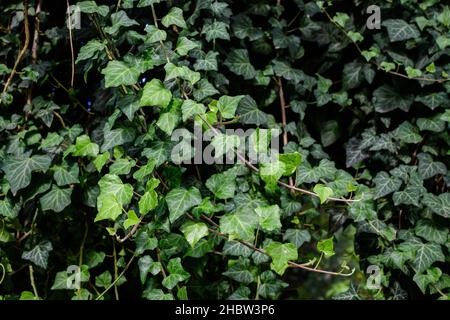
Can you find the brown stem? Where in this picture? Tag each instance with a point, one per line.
(283, 118)
(293, 188)
(69, 20)
(35, 46)
(129, 234)
(292, 264)
(24, 48)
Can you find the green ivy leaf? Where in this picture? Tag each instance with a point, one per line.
(269, 218)
(18, 170)
(39, 254)
(326, 247)
(281, 254)
(85, 148)
(155, 94)
(180, 200)
(117, 73)
(56, 199)
(323, 192)
(222, 185)
(239, 225)
(400, 30)
(190, 108)
(174, 17)
(193, 232)
(239, 63)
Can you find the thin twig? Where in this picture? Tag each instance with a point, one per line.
(24, 48)
(35, 46)
(324, 11)
(117, 278)
(69, 26)
(283, 118)
(129, 234)
(33, 284)
(251, 166)
(303, 266)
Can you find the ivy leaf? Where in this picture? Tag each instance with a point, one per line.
(297, 236)
(423, 280)
(193, 232)
(184, 45)
(352, 75)
(148, 202)
(92, 7)
(269, 218)
(239, 63)
(65, 175)
(249, 113)
(144, 170)
(190, 108)
(204, 89)
(430, 232)
(131, 220)
(281, 254)
(407, 133)
(154, 34)
(117, 137)
(323, 192)
(326, 247)
(400, 30)
(108, 208)
(291, 161)
(307, 174)
(240, 272)
(239, 225)
(426, 255)
(7, 209)
(362, 210)
(271, 172)
(56, 199)
(39, 254)
(90, 50)
(410, 196)
(207, 62)
(354, 152)
(146, 3)
(118, 20)
(385, 184)
(174, 17)
(428, 168)
(386, 99)
(180, 200)
(122, 166)
(177, 274)
(168, 121)
(438, 204)
(18, 170)
(85, 148)
(117, 73)
(224, 144)
(433, 100)
(227, 105)
(155, 94)
(433, 124)
(222, 185)
(111, 184)
(216, 30)
(284, 70)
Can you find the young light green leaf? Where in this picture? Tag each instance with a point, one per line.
(281, 254)
(193, 231)
(155, 94)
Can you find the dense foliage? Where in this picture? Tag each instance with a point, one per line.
(356, 206)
